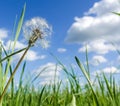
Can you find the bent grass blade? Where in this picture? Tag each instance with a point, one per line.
(87, 78)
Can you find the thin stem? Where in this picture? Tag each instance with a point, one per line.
(7, 56)
(11, 77)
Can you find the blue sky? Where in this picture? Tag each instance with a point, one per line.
(76, 23)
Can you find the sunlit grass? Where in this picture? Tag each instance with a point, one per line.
(104, 93)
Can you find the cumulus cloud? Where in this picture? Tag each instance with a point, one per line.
(48, 72)
(98, 59)
(98, 23)
(61, 50)
(32, 56)
(107, 70)
(99, 46)
(104, 6)
(91, 28)
(3, 33)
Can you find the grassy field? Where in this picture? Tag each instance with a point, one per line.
(104, 93)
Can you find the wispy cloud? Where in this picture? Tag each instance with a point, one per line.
(48, 72)
(19, 45)
(61, 50)
(107, 70)
(50, 69)
(97, 60)
(3, 33)
(98, 23)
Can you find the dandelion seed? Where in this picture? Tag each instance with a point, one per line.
(37, 31)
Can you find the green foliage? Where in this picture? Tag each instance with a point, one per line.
(105, 93)
(4, 70)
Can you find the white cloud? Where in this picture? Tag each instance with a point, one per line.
(19, 45)
(102, 25)
(61, 50)
(99, 46)
(107, 70)
(42, 56)
(98, 59)
(104, 6)
(3, 33)
(91, 28)
(101, 59)
(48, 72)
(49, 81)
(30, 56)
(50, 69)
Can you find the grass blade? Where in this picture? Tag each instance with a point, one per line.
(87, 62)
(40, 96)
(87, 77)
(108, 86)
(12, 54)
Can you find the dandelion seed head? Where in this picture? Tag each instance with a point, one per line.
(38, 23)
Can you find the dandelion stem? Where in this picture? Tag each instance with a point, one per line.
(7, 56)
(11, 77)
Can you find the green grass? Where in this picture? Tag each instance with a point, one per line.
(103, 92)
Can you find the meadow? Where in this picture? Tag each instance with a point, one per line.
(105, 93)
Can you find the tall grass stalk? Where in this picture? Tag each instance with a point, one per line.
(9, 61)
(86, 74)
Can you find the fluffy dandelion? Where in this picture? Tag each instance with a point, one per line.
(36, 31)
